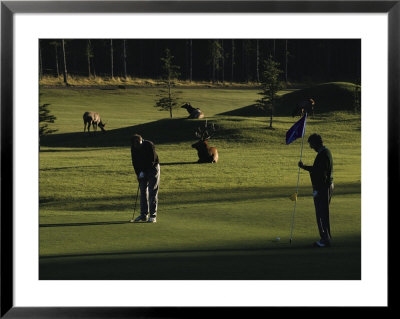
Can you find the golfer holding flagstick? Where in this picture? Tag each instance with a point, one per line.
(322, 183)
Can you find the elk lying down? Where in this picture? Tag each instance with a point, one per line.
(92, 118)
(194, 113)
(206, 153)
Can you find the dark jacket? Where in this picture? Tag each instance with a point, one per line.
(144, 158)
(321, 171)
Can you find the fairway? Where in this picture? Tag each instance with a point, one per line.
(215, 221)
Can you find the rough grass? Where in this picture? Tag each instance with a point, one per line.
(216, 221)
(121, 82)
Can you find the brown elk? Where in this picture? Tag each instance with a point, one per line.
(306, 106)
(194, 113)
(92, 118)
(206, 153)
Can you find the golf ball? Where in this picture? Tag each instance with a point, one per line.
(132, 220)
(278, 239)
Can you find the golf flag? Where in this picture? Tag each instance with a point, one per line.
(296, 130)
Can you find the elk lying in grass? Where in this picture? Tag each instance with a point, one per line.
(92, 118)
(306, 106)
(206, 153)
(194, 113)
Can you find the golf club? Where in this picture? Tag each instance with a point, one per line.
(134, 209)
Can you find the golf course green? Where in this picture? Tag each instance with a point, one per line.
(215, 221)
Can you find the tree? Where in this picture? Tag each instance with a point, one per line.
(168, 98)
(257, 61)
(270, 85)
(286, 61)
(40, 62)
(246, 56)
(223, 61)
(90, 55)
(125, 71)
(232, 59)
(112, 58)
(64, 62)
(44, 118)
(216, 54)
(56, 44)
(191, 60)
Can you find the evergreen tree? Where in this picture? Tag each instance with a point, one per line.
(168, 98)
(270, 85)
(44, 118)
(216, 55)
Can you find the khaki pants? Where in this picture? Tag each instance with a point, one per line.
(321, 203)
(149, 186)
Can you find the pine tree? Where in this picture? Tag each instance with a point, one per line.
(270, 85)
(44, 118)
(168, 98)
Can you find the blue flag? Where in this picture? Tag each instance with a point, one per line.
(296, 130)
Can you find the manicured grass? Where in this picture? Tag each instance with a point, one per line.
(215, 221)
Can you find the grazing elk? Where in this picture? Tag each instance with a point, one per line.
(92, 118)
(206, 153)
(306, 106)
(194, 113)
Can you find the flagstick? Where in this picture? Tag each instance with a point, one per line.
(298, 178)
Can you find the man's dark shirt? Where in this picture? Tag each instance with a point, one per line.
(321, 172)
(145, 157)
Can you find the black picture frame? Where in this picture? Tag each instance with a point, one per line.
(9, 8)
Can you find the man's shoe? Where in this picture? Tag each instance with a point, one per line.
(152, 220)
(141, 218)
(321, 244)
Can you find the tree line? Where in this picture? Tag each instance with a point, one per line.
(214, 60)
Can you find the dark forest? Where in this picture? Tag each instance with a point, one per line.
(224, 60)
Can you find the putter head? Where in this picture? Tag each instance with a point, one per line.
(132, 221)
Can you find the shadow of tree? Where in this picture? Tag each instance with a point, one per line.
(160, 132)
(84, 224)
(192, 197)
(249, 110)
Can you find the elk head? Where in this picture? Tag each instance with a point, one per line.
(102, 125)
(186, 106)
(206, 153)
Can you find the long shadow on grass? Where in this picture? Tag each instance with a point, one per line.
(85, 224)
(178, 163)
(249, 110)
(68, 168)
(125, 202)
(298, 261)
(160, 132)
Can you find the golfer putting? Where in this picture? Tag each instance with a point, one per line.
(147, 168)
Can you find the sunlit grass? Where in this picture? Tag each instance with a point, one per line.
(225, 215)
